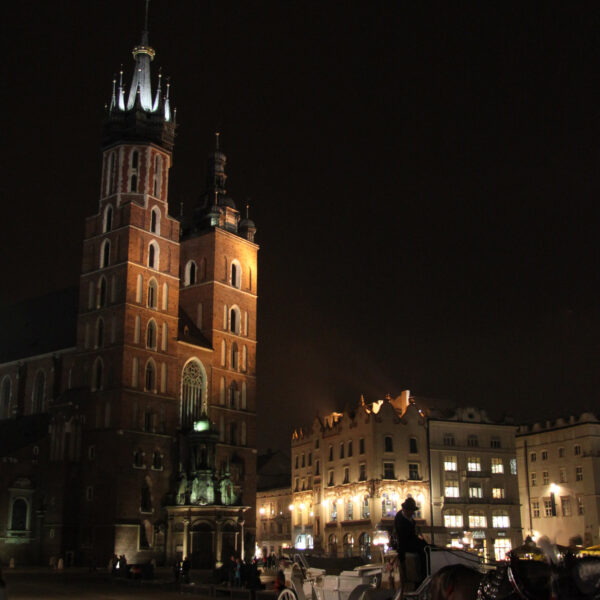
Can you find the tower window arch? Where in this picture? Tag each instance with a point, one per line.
(190, 273)
(152, 294)
(234, 320)
(235, 360)
(233, 395)
(105, 254)
(101, 297)
(97, 373)
(155, 220)
(108, 218)
(5, 393)
(39, 390)
(133, 177)
(150, 376)
(153, 253)
(99, 333)
(157, 175)
(151, 334)
(236, 274)
(112, 173)
(193, 386)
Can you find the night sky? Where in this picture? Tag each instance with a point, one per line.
(424, 178)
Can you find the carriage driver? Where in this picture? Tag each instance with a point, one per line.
(406, 535)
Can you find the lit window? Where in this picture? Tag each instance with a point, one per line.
(513, 466)
(364, 510)
(578, 473)
(473, 464)
(500, 521)
(498, 493)
(453, 519)
(548, 510)
(477, 519)
(349, 510)
(451, 489)
(475, 490)
(535, 508)
(502, 546)
(450, 463)
(533, 477)
(565, 503)
(333, 510)
(388, 505)
(497, 465)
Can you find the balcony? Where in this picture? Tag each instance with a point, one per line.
(485, 500)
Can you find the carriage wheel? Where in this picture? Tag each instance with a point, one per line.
(287, 594)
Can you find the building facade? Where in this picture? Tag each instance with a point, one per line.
(559, 479)
(274, 521)
(96, 445)
(474, 485)
(352, 471)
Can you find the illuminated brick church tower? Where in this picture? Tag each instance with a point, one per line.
(151, 451)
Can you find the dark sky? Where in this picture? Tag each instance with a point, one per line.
(424, 178)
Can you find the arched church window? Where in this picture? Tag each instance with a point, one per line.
(234, 320)
(108, 218)
(236, 274)
(101, 293)
(193, 381)
(233, 395)
(105, 254)
(97, 374)
(99, 333)
(151, 335)
(190, 273)
(234, 356)
(153, 255)
(155, 220)
(157, 174)
(150, 376)
(133, 179)
(39, 388)
(152, 294)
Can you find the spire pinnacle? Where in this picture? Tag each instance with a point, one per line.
(217, 134)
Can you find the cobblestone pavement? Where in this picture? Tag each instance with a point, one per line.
(29, 584)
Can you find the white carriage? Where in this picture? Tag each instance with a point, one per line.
(365, 582)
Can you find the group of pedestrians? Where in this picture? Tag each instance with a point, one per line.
(181, 570)
(237, 573)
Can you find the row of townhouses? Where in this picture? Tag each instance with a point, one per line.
(479, 483)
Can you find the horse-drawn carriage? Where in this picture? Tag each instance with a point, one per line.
(395, 578)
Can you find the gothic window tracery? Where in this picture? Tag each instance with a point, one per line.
(193, 382)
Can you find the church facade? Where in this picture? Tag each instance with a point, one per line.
(139, 438)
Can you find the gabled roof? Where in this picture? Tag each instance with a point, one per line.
(189, 332)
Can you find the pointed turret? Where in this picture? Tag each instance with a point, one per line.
(133, 114)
